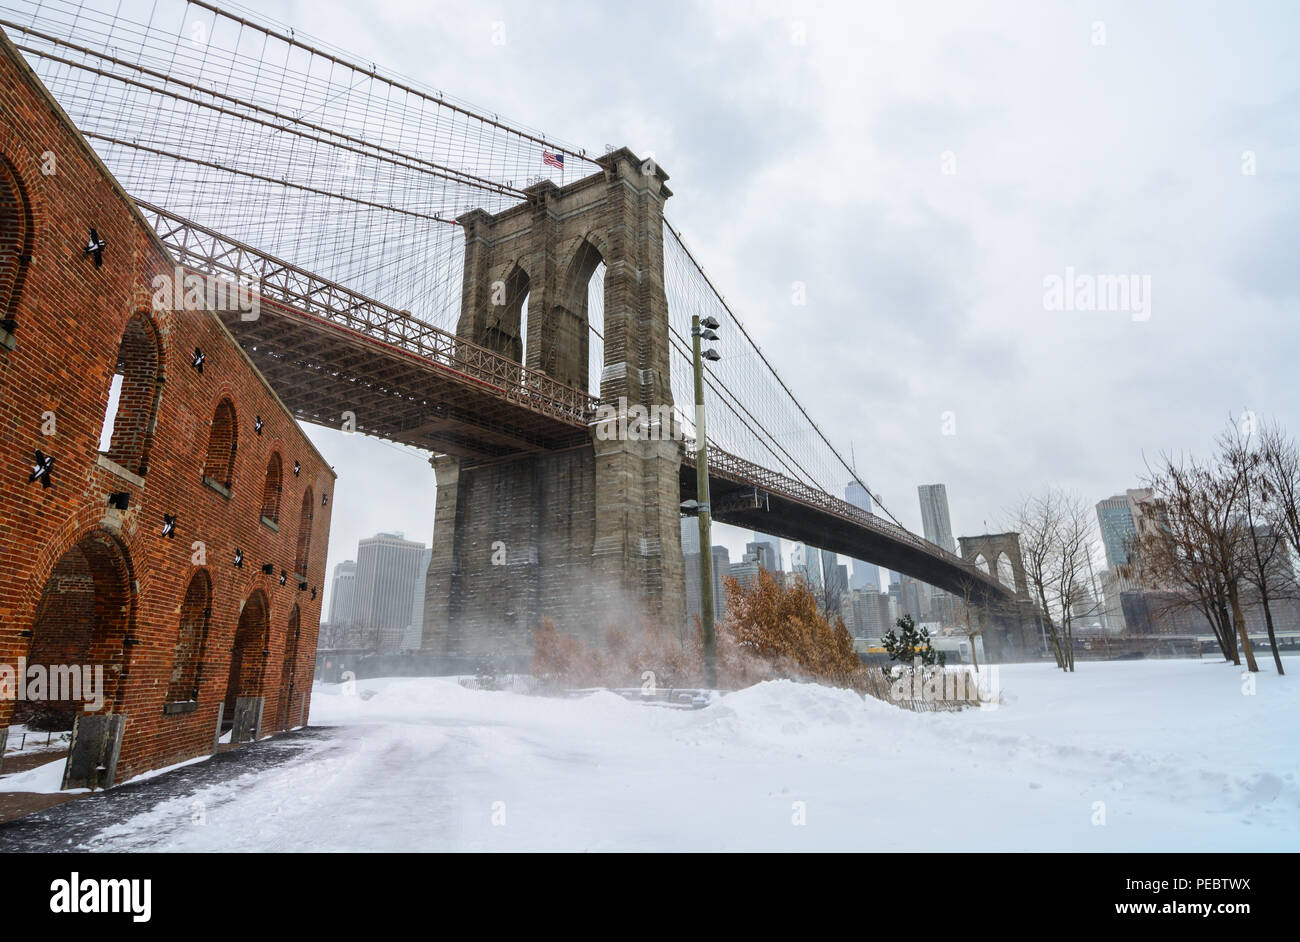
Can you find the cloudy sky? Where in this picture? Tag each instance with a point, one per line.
(924, 168)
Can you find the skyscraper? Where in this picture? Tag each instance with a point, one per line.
(757, 556)
(910, 600)
(721, 569)
(775, 544)
(388, 568)
(764, 555)
(935, 523)
(865, 575)
(1119, 518)
(834, 578)
(804, 563)
(1117, 528)
(343, 593)
(936, 526)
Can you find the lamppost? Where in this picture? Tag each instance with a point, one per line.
(704, 330)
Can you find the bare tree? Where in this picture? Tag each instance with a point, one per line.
(1172, 558)
(971, 629)
(1267, 518)
(1056, 537)
(1209, 503)
(1280, 461)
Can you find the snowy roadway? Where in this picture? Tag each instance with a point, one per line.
(1156, 755)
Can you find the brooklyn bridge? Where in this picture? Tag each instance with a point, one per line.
(429, 273)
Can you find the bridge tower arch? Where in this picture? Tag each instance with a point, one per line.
(992, 547)
(1011, 629)
(586, 537)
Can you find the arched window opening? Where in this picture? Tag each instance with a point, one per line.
(248, 656)
(596, 329)
(568, 340)
(219, 465)
(304, 533)
(80, 628)
(272, 488)
(981, 563)
(1006, 572)
(132, 398)
(191, 639)
(506, 328)
(15, 244)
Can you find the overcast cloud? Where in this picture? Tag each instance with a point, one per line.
(823, 162)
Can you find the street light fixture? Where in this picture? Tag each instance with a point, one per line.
(704, 330)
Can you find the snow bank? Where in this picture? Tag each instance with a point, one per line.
(43, 779)
(1123, 756)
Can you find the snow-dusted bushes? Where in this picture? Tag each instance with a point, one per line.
(770, 632)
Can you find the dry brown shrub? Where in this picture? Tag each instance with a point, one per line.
(769, 632)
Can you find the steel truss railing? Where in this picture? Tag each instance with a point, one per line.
(726, 465)
(210, 253)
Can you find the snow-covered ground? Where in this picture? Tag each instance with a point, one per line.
(1136, 755)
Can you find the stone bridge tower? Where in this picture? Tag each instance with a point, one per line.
(992, 547)
(587, 537)
(1012, 630)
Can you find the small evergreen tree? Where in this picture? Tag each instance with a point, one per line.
(911, 645)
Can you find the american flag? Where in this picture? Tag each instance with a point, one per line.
(553, 160)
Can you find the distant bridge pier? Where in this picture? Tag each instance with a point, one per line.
(587, 536)
(1011, 625)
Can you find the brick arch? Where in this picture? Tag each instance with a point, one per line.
(85, 611)
(248, 652)
(191, 639)
(289, 669)
(306, 513)
(273, 487)
(86, 519)
(21, 202)
(140, 364)
(223, 440)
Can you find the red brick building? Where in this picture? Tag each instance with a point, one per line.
(125, 559)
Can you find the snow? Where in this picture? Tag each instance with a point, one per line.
(42, 779)
(1180, 757)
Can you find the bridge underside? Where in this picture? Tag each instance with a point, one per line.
(751, 508)
(1009, 620)
(322, 371)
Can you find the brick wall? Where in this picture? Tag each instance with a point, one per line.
(76, 574)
